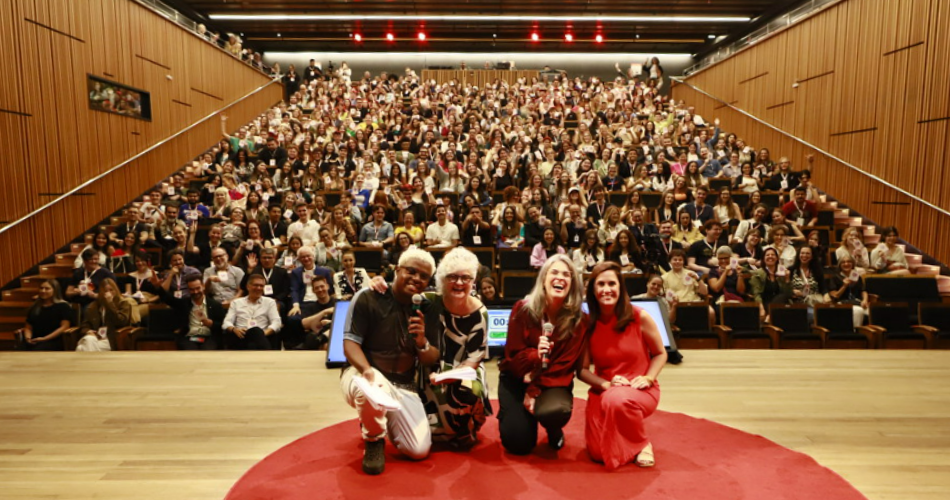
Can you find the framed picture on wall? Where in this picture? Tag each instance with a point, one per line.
(112, 97)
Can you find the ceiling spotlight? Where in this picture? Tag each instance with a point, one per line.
(535, 37)
(568, 37)
(390, 37)
(711, 37)
(638, 36)
(421, 36)
(278, 35)
(358, 37)
(599, 38)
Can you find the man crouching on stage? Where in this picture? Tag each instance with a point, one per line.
(384, 342)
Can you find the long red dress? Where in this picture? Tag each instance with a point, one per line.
(614, 427)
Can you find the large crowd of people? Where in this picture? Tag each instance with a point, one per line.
(254, 242)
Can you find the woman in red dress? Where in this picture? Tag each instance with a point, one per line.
(627, 352)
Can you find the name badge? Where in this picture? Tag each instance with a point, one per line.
(265, 196)
(83, 288)
(288, 213)
(591, 261)
(170, 191)
(624, 260)
(800, 221)
(784, 184)
(477, 240)
(734, 263)
(251, 323)
(854, 275)
(177, 294)
(308, 277)
(138, 296)
(687, 279)
(192, 215)
(103, 332)
(781, 271)
(577, 238)
(275, 242)
(288, 261)
(199, 314)
(268, 290)
(273, 162)
(670, 295)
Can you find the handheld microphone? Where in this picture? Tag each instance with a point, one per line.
(416, 303)
(548, 330)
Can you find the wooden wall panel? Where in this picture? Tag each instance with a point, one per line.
(56, 142)
(872, 90)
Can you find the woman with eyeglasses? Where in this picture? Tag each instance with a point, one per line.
(457, 409)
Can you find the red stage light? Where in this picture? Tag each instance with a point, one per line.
(599, 38)
(569, 37)
(421, 36)
(390, 37)
(535, 37)
(358, 37)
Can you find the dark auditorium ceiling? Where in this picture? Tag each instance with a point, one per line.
(485, 34)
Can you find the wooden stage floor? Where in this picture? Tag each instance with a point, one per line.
(153, 425)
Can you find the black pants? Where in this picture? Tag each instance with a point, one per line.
(519, 429)
(185, 344)
(293, 334)
(254, 340)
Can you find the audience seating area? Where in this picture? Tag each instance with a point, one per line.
(526, 156)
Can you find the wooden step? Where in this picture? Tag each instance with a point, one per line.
(20, 294)
(11, 323)
(7, 342)
(14, 308)
(87, 239)
(924, 269)
(75, 248)
(57, 270)
(32, 282)
(943, 284)
(871, 240)
(66, 258)
(115, 221)
(915, 259)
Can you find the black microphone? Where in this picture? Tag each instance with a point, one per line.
(548, 330)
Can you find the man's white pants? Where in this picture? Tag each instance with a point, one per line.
(408, 427)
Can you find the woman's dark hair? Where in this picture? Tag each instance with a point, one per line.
(887, 231)
(613, 253)
(623, 310)
(554, 242)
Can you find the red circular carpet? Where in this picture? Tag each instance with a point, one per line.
(696, 459)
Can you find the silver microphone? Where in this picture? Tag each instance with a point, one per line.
(548, 330)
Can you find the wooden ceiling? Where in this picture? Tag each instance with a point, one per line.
(485, 36)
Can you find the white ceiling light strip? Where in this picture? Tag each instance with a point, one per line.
(481, 18)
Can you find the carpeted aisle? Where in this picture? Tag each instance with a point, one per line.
(696, 459)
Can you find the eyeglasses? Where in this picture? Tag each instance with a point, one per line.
(411, 271)
(459, 278)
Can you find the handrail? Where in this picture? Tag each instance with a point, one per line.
(812, 146)
(130, 160)
(169, 13)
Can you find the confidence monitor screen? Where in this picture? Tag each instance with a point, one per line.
(659, 315)
(335, 357)
(498, 324)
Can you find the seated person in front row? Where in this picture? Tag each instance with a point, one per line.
(109, 312)
(317, 324)
(384, 343)
(252, 321)
(199, 315)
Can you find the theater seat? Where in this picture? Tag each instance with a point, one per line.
(693, 328)
(895, 329)
(742, 328)
(936, 319)
(789, 323)
(835, 324)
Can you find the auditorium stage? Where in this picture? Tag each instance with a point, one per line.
(160, 425)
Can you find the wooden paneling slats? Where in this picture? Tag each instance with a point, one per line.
(872, 90)
(54, 142)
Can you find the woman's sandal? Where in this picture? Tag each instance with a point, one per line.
(645, 458)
